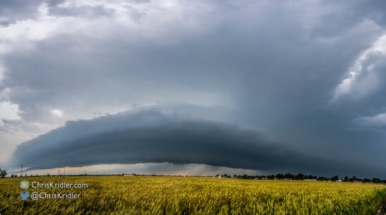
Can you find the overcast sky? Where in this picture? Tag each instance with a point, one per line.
(193, 87)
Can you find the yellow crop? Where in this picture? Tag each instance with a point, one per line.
(194, 195)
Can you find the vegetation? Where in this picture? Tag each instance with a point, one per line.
(195, 195)
(3, 173)
(300, 176)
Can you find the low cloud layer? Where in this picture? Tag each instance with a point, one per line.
(152, 137)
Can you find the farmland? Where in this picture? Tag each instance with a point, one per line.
(193, 195)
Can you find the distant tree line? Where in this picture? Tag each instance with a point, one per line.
(300, 176)
(279, 176)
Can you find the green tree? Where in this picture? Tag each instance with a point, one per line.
(376, 180)
(289, 176)
(335, 178)
(3, 173)
(300, 176)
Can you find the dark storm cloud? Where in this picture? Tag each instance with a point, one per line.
(151, 137)
(290, 81)
(275, 65)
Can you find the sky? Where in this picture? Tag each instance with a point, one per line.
(193, 87)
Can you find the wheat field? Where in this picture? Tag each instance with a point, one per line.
(193, 195)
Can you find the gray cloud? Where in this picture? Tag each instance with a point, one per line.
(151, 137)
(268, 65)
(16, 10)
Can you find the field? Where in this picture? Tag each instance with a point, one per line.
(193, 195)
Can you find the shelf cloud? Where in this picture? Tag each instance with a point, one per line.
(152, 137)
